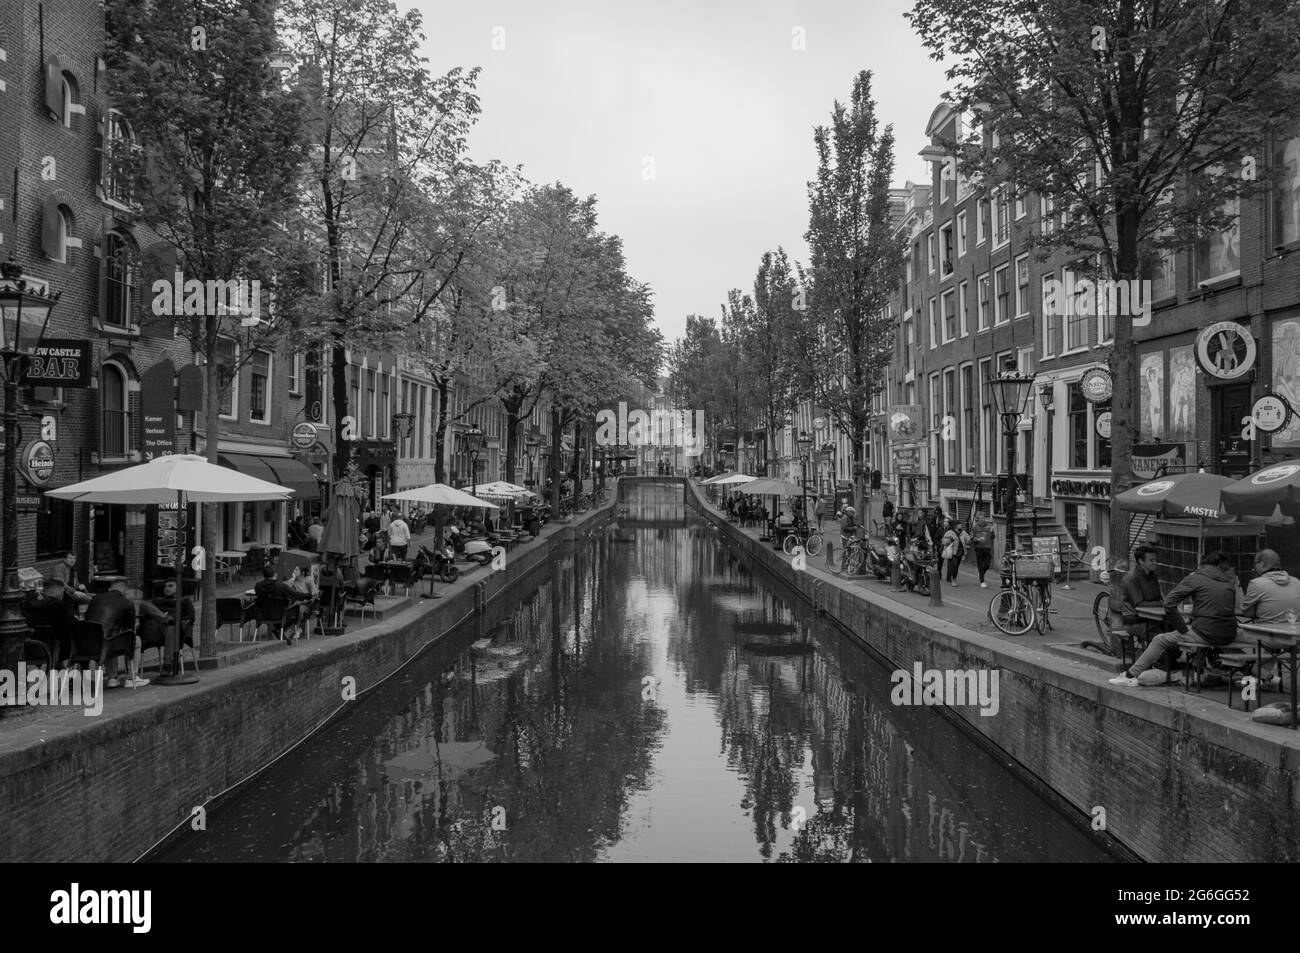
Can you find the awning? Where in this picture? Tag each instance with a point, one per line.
(285, 471)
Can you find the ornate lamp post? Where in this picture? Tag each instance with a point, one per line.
(1011, 391)
(475, 438)
(24, 313)
(804, 442)
(531, 444)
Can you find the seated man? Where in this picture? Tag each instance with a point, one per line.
(65, 571)
(117, 612)
(1273, 597)
(51, 608)
(1213, 591)
(270, 587)
(1141, 588)
(182, 609)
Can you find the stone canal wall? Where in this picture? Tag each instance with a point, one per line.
(1175, 784)
(109, 788)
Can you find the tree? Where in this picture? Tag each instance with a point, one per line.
(846, 340)
(389, 155)
(770, 362)
(1140, 119)
(222, 146)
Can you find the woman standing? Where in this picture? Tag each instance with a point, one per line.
(981, 532)
(951, 550)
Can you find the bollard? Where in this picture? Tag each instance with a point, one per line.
(895, 575)
(830, 555)
(936, 598)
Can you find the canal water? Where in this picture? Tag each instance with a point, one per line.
(648, 699)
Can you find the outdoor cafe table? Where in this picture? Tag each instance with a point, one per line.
(1275, 638)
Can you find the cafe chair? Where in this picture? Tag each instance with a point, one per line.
(404, 576)
(363, 598)
(86, 643)
(276, 614)
(53, 638)
(121, 645)
(232, 611)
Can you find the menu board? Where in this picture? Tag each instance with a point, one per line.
(172, 526)
(1048, 546)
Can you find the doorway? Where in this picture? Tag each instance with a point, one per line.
(1231, 404)
(108, 532)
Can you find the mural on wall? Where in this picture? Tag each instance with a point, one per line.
(1182, 394)
(1152, 397)
(1286, 377)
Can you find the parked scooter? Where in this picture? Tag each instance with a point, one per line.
(914, 570)
(442, 564)
(479, 549)
(879, 560)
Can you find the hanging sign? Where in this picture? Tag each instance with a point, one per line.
(1103, 425)
(59, 362)
(1271, 413)
(303, 436)
(158, 409)
(1225, 350)
(1096, 385)
(38, 463)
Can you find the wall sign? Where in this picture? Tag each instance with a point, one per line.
(1225, 350)
(158, 409)
(303, 436)
(1149, 457)
(38, 463)
(1271, 413)
(905, 421)
(1093, 489)
(1103, 425)
(1096, 385)
(60, 362)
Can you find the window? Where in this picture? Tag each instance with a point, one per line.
(228, 378)
(945, 177)
(259, 387)
(118, 152)
(1078, 311)
(949, 423)
(1219, 255)
(313, 397)
(372, 405)
(1022, 208)
(115, 432)
(968, 436)
(934, 322)
(1286, 194)
(119, 280)
(981, 221)
(1047, 214)
(988, 419)
(930, 250)
(962, 314)
(1079, 415)
(295, 374)
(385, 408)
(57, 225)
(1001, 217)
(909, 342)
(53, 527)
(949, 316)
(945, 250)
(982, 302)
(69, 97)
(1053, 315)
(961, 233)
(1022, 286)
(1002, 295)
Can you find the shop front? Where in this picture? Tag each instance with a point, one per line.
(377, 461)
(265, 522)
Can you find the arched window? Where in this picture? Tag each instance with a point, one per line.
(119, 151)
(119, 279)
(57, 224)
(116, 426)
(69, 84)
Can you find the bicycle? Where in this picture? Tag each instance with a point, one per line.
(853, 558)
(1012, 610)
(803, 535)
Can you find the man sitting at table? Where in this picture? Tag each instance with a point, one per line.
(1213, 591)
(65, 571)
(381, 552)
(1141, 589)
(1269, 597)
(270, 587)
(51, 607)
(117, 613)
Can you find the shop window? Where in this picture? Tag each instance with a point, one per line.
(1079, 429)
(259, 387)
(53, 527)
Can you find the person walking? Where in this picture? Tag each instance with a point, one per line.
(981, 534)
(399, 536)
(951, 550)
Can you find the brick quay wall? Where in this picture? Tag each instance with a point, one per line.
(110, 788)
(1176, 784)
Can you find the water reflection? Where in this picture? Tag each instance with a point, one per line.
(649, 699)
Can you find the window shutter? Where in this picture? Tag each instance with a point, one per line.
(54, 87)
(159, 261)
(51, 229)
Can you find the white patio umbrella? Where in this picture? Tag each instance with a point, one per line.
(441, 494)
(180, 478)
(502, 489)
(730, 478)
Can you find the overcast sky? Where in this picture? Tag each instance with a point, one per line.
(712, 92)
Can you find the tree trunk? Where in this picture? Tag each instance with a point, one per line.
(339, 398)
(1122, 415)
(859, 472)
(212, 426)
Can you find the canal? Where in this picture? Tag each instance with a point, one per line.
(647, 699)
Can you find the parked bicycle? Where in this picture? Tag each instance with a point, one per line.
(803, 535)
(1026, 599)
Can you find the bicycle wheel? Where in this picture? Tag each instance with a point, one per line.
(813, 544)
(1101, 616)
(1012, 612)
(791, 541)
(1041, 600)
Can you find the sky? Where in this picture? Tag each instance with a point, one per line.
(690, 120)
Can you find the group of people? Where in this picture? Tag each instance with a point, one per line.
(933, 532)
(746, 509)
(1218, 605)
(385, 535)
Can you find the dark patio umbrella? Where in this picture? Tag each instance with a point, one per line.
(342, 535)
(1260, 494)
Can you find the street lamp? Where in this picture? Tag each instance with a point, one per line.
(475, 438)
(804, 443)
(1011, 391)
(531, 443)
(24, 313)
